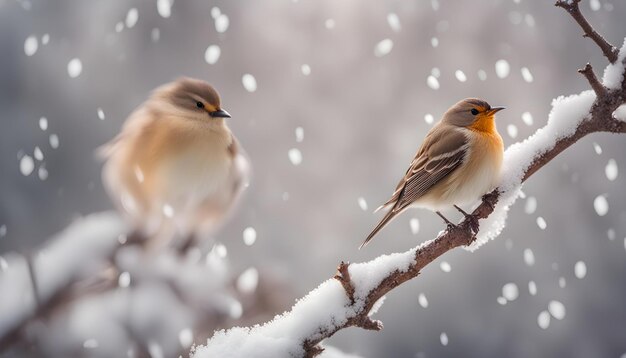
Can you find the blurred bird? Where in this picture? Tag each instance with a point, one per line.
(175, 169)
(457, 163)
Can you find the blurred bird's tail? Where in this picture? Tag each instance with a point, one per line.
(383, 222)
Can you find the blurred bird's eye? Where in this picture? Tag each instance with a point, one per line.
(199, 104)
(474, 111)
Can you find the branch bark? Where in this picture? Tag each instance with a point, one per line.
(600, 119)
(597, 87)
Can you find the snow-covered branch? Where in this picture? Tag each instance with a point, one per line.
(93, 290)
(357, 290)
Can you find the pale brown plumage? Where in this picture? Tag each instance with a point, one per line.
(458, 162)
(175, 169)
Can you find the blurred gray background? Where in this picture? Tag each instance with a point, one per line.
(362, 116)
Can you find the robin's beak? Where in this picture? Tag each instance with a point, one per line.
(220, 113)
(494, 110)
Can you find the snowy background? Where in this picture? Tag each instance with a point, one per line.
(331, 99)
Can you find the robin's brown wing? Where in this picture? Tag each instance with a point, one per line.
(443, 151)
(442, 148)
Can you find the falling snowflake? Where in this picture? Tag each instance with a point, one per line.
(482, 75)
(131, 17)
(27, 165)
(295, 156)
(527, 118)
(30, 45)
(597, 148)
(432, 82)
(249, 236)
(164, 7)
(428, 118)
(362, 203)
(531, 205)
(168, 211)
(74, 68)
(528, 77)
(235, 310)
(529, 257)
(580, 269)
(394, 22)
(220, 250)
(444, 339)
(185, 338)
(383, 48)
(541, 222)
(556, 309)
(248, 281)
(124, 279)
(212, 54)
(38, 154)
(299, 134)
(221, 23)
(42, 173)
(415, 226)
(502, 68)
(601, 205)
(249, 82)
(422, 300)
(510, 291)
(511, 129)
(43, 123)
(543, 320)
(460, 76)
(611, 171)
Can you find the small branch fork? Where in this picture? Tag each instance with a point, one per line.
(343, 276)
(600, 120)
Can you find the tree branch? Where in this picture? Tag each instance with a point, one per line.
(571, 6)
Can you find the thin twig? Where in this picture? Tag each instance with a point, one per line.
(571, 6)
(598, 88)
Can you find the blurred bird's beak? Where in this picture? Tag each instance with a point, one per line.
(494, 110)
(220, 113)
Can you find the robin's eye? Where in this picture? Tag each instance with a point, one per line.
(474, 111)
(199, 104)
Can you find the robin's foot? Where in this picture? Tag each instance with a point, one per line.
(448, 222)
(472, 220)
